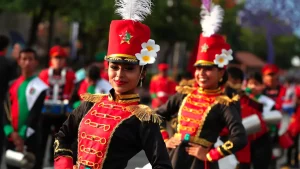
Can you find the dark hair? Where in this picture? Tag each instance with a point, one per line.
(236, 73)
(255, 76)
(4, 42)
(144, 70)
(224, 78)
(93, 72)
(28, 50)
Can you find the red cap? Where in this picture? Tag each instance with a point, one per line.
(209, 48)
(56, 51)
(270, 68)
(125, 40)
(163, 66)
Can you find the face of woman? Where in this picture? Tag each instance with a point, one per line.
(208, 77)
(124, 78)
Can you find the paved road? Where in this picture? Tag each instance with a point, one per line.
(138, 161)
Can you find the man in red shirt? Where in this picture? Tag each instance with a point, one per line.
(161, 86)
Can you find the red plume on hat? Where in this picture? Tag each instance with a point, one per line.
(129, 39)
(213, 49)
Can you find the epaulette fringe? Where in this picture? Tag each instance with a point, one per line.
(94, 98)
(190, 83)
(224, 100)
(184, 89)
(144, 113)
(236, 98)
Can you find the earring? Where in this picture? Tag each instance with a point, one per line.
(221, 80)
(141, 82)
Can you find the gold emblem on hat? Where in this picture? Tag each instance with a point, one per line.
(204, 47)
(125, 37)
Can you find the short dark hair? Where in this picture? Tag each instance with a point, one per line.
(255, 76)
(236, 73)
(4, 42)
(28, 50)
(93, 72)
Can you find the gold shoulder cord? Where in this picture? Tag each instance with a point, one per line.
(236, 98)
(95, 98)
(144, 113)
(185, 89)
(224, 100)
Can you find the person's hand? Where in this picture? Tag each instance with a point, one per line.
(173, 142)
(18, 141)
(74, 167)
(197, 151)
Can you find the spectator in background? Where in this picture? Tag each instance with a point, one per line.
(7, 73)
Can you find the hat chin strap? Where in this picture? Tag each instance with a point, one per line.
(140, 75)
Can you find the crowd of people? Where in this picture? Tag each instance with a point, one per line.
(97, 121)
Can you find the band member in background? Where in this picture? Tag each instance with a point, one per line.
(161, 86)
(258, 151)
(203, 111)
(23, 109)
(273, 89)
(92, 84)
(61, 81)
(112, 128)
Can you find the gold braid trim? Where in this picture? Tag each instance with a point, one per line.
(144, 113)
(185, 89)
(186, 86)
(223, 100)
(187, 83)
(57, 149)
(236, 98)
(94, 98)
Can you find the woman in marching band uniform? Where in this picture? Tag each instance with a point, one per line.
(112, 128)
(203, 111)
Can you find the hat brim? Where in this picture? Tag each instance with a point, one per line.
(122, 59)
(270, 72)
(202, 63)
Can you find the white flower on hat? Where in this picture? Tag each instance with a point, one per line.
(228, 53)
(221, 60)
(146, 57)
(151, 46)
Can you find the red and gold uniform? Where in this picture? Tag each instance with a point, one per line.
(202, 114)
(161, 87)
(107, 124)
(112, 128)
